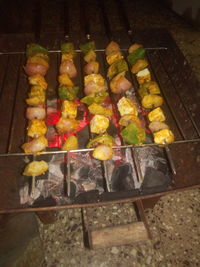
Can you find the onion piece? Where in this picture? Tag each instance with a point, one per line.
(33, 68)
(33, 113)
(68, 67)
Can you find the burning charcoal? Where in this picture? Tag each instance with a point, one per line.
(84, 172)
(89, 185)
(122, 178)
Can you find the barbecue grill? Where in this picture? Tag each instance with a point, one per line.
(147, 171)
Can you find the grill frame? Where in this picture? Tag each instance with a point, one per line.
(155, 40)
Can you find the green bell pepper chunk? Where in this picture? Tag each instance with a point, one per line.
(67, 93)
(133, 134)
(33, 49)
(137, 54)
(117, 67)
(104, 139)
(97, 98)
(87, 47)
(68, 48)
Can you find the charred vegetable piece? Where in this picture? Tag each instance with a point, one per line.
(103, 152)
(156, 126)
(36, 168)
(90, 56)
(117, 67)
(113, 57)
(97, 109)
(143, 76)
(156, 115)
(139, 65)
(39, 80)
(68, 48)
(71, 143)
(69, 109)
(112, 47)
(137, 54)
(130, 118)
(150, 87)
(85, 48)
(65, 80)
(127, 106)
(95, 98)
(99, 124)
(104, 139)
(120, 84)
(33, 49)
(163, 136)
(133, 134)
(152, 101)
(37, 128)
(36, 145)
(67, 93)
(65, 125)
(134, 47)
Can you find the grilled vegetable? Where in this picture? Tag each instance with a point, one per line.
(94, 83)
(163, 136)
(36, 168)
(134, 47)
(69, 109)
(35, 113)
(65, 125)
(36, 145)
(95, 98)
(99, 124)
(135, 55)
(91, 67)
(38, 79)
(97, 109)
(143, 76)
(65, 80)
(34, 68)
(120, 84)
(112, 47)
(113, 57)
(117, 67)
(90, 56)
(127, 106)
(139, 65)
(156, 126)
(152, 101)
(33, 49)
(150, 87)
(156, 115)
(36, 96)
(67, 93)
(68, 67)
(125, 120)
(36, 128)
(71, 143)
(133, 134)
(103, 152)
(104, 139)
(68, 48)
(85, 48)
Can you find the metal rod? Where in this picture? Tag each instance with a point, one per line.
(170, 159)
(33, 180)
(66, 19)
(91, 149)
(79, 51)
(123, 16)
(105, 20)
(68, 174)
(84, 19)
(137, 165)
(37, 21)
